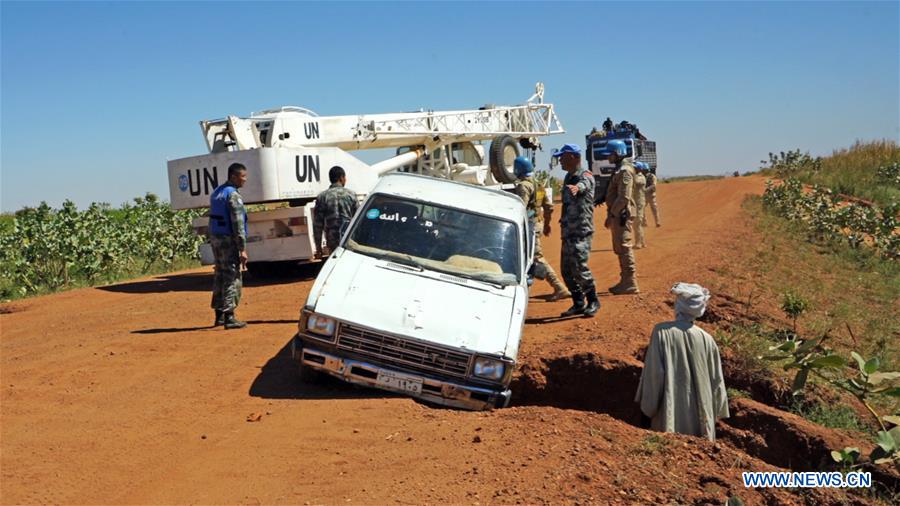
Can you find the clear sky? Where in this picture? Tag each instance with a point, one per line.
(97, 96)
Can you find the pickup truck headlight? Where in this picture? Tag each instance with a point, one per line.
(321, 325)
(488, 368)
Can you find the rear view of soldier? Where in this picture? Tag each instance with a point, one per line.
(334, 209)
(650, 192)
(540, 211)
(228, 238)
(620, 217)
(640, 183)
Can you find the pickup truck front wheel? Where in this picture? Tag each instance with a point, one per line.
(307, 375)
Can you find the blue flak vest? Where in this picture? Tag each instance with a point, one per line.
(219, 214)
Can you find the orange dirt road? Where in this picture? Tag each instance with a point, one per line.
(123, 394)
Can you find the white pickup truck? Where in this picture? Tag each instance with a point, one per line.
(426, 294)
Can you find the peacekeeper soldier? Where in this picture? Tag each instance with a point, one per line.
(534, 195)
(228, 238)
(650, 191)
(620, 214)
(577, 226)
(640, 182)
(334, 209)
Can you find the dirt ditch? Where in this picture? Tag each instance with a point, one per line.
(584, 381)
(593, 382)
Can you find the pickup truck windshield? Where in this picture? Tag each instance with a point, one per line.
(438, 238)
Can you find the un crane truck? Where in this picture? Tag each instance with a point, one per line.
(639, 150)
(288, 152)
(427, 290)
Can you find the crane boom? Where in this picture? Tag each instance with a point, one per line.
(289, 151)
(295, 127)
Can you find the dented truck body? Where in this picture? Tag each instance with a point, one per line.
(425, 295)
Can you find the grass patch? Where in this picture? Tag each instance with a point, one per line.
(734, 393)
(9, 292)
(654, 444)
(845, 287)
(831, 416)
(852, 171)
(682, 179)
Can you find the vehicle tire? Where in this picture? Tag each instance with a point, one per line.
(259, 270)
(504, 150)
(502, 402)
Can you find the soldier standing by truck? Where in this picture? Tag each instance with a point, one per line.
(621, 212)
(577, 226)
(651, 197)
(640, 182)
(334, 209)
(535, 197)
(228, 238)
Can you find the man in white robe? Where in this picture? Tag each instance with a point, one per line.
(682, 388)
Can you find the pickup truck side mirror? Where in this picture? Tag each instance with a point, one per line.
(554, 160)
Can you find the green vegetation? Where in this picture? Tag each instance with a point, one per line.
(682, 179)
(850, 292)
(828, 415)
(653, 444)
(49, 249)
(823, 217)
(863, 378)
(543, 177)
(867, 170)
(834, 265)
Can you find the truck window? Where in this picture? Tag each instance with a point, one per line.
(439, 238)
(464, 153)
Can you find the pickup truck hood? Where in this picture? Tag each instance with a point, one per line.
(397, 299)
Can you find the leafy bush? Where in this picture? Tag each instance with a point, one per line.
(46, 248)
(826, 218)
(791, 163)
(813, 357)
(866, 170)
(543, 177)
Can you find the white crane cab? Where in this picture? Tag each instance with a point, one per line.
(425, 295)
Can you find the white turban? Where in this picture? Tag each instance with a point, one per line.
(690, 300)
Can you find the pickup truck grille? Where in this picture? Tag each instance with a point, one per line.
(404, 353)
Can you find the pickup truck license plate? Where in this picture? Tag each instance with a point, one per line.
(402, 382)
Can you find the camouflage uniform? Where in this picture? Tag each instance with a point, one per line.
(534, 197)
(621, 212)
(577, 226)
(640, 182)
(334, 209)
(227, 249)
(650, 193)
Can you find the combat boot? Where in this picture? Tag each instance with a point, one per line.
(220, 318)
(559, 295)
(622, 270)
(559, 290)
(627, 286)
(593, 303)
(577, 307)
(233, 323)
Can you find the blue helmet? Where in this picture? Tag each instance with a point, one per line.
(522, 167)
(641, 166)
(615, 146)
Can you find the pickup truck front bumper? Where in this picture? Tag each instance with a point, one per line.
(359, 372)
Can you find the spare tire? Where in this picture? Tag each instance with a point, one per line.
(504, 150)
